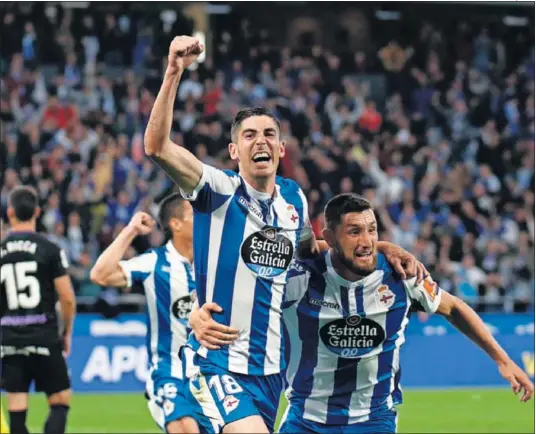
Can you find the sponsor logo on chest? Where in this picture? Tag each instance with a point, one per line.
(267, 252)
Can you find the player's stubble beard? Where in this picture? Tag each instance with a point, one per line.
(349, 263)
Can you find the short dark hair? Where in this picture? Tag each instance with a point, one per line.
(171, 206)
(24, 201)
(343, 204)
(248, 113)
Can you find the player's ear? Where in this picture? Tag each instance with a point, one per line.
(233, 152)
(10, 213)
(329, 236)
(37, 213)
(175, 224)
(282, 147)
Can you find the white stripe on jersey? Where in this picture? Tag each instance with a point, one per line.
(242, 309)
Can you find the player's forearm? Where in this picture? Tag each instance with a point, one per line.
(108, 261)
(68, 312)
(159, 126)
(470, 324)
(178, 163)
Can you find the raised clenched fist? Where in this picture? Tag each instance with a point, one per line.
(142, 223)
(183, 51)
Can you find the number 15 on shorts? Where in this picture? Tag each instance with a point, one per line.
(225, 387)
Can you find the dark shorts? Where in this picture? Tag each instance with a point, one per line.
(44, 365)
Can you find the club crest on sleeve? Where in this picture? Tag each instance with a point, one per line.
(230, 403)
(385, 296)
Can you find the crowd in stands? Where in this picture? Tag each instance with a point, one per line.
(447, 157)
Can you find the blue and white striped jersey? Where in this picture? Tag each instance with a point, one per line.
(345, 338)
(169, 285)
(244, 242)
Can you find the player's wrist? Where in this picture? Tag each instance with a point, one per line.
(173, 72)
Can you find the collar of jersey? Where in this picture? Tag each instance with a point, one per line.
(259, 195)
(173, 251)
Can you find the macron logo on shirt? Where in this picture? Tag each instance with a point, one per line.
(243, 201)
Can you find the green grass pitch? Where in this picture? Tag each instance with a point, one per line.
(433, 411)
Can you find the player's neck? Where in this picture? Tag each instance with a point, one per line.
(22, 227)
(185, 249)
(344, 271)
(261, 184)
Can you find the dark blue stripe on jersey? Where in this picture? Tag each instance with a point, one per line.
(345, 382)
(385, 373)
(139, 276)
(345, 302)
(397, 312)
(162, 288)
(359, 302)
(308, 324)
(201, 246)
(260, 318)
(228, 256)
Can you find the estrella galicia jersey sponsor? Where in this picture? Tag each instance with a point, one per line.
(29, 265)
(345, 339)
(168, 280)
(244, 242)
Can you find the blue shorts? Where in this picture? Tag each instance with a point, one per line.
(381, 422)
(167, 401)
(222, 397)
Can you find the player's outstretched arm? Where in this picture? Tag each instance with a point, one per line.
(179, 164)
(469, 323)
(107, 271)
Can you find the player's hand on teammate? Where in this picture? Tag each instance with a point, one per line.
(183, 51)
(406, 265)
(142, 223)
(518, 379)
(209, 333)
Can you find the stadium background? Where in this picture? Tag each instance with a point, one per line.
(426, 109)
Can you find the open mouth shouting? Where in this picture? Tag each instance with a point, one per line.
(261, 157)
(364, 255)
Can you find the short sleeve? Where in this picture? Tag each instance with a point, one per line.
(138, 268)
(213, 190)
(297, 281)
(426, 295)
(60, 263)
(306, 232)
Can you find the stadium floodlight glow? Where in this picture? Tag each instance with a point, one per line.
(513, 21)
(388, 15)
